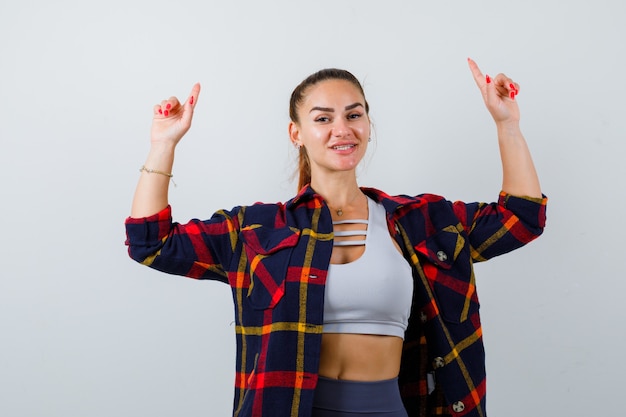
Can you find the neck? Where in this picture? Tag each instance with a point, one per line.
(339, 193)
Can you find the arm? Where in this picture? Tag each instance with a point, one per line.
(171, 121)
(198, 249)
(518, 171)
(500, 227)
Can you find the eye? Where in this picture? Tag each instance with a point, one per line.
(354, 116)
(322, 119)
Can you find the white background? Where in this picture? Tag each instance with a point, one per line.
(84, 331)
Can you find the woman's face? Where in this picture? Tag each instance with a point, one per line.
(333, 126)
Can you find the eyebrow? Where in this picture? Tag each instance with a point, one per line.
(330, 109)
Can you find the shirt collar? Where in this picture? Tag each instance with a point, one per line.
(305, 194)
(391, 203)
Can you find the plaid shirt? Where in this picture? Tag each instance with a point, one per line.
(275, 257)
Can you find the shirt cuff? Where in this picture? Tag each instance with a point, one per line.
(146, 231)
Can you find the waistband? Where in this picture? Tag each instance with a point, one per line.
(358, 396)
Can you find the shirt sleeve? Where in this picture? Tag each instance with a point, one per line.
(200, 249)
(498, 228)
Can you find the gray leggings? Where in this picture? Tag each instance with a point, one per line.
(340, 398)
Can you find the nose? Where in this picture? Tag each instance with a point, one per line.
(341, 128)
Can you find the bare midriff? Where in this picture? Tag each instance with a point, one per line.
(360, 357)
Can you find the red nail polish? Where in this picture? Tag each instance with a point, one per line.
(488, 78)
(169, 106)
(160, 111)
(512, 95)
(191, 100)
(512, 86)
(166, 113)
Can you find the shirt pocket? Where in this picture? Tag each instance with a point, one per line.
(268, 251)
(448, 268)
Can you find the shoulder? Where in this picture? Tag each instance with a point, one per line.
(262, 213)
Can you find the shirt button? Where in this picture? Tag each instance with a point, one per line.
(458, 406)
(423, 317)
(441, 255)
(438, 362)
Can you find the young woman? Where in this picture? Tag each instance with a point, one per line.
(348, 301)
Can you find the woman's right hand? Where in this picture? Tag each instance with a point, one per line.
(172, 119)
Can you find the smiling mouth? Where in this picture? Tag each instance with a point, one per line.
(343, 147)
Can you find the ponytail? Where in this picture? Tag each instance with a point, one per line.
(304, 168)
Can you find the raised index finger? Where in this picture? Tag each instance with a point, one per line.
(479, 78)
(195, 92)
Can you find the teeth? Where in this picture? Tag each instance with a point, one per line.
(343, 147)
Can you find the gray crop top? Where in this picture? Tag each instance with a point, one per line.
(373, 294)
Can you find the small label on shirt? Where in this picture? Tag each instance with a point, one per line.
(430, 382)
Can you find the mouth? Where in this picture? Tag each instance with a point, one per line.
(343, 147)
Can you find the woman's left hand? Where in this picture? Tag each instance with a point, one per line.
(498, 94)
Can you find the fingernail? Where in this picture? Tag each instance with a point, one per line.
(166, 113)
(512, 86)
(512, 95)
(191, 100)
(160, 111)
(488, 78)
(169, 106)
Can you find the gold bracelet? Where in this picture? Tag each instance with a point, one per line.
(154, 171)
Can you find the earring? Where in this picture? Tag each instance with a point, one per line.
(297, 145)
(369, 139)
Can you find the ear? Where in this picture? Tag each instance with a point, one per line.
(294, 133)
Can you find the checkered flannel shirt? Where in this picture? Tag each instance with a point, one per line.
(275, 258)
